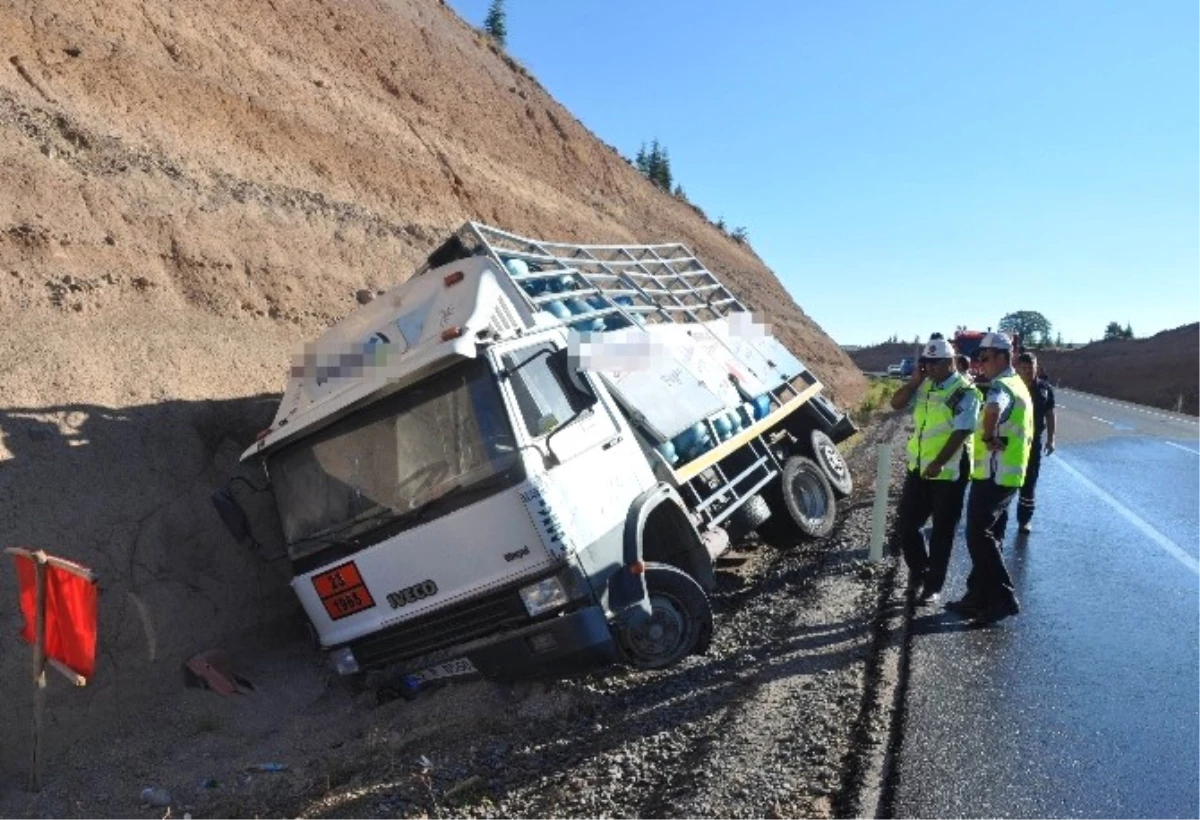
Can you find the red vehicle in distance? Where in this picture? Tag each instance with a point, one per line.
(966, 342)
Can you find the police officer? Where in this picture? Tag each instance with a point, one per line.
(945, 409)
(1043, 422)
(1001, 454)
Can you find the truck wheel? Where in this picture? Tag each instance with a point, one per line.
(679, 625)
(803, 505)
(748, 517)
(826, 454)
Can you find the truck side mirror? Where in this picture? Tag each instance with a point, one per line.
(231, 513)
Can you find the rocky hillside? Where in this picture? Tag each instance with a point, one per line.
(189, 189)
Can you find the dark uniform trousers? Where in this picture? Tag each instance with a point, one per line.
(988, 583)
(919, 499)
(1026, 501)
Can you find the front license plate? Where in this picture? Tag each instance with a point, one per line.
(449, 669)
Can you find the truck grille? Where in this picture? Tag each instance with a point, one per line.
(468, 621)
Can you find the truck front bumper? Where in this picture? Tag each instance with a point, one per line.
(572, 642)
(568, 643)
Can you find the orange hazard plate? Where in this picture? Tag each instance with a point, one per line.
(342, 591)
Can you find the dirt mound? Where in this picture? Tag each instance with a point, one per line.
(190, 189)
(1161, 371)
(875, 359)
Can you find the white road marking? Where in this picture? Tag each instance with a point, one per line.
(1171, 548)
(1181, 447)
(1105, 421)
(1132, 406)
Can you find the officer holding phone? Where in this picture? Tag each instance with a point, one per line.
(945, 410)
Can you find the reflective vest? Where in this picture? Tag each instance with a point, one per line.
(1015, 430)
(933, 416)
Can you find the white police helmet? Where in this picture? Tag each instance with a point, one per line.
(937, 348)
(996, 341)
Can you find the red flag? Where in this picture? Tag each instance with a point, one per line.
(70, 614)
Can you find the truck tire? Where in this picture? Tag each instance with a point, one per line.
(748, 517)
(680, 622)
(826, 454)
(802, 503)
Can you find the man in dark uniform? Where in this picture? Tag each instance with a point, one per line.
(1043, 422)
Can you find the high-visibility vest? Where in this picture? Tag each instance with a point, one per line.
(1015, 430)
(933, 417)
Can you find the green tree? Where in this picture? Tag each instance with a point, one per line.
(1026, 323)
(1127, 333)
(1058, 340)
(655, 165)
(739, 235)
(1113, 331)
(495, 24)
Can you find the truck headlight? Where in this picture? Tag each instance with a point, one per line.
(545, 595)
(343, 661)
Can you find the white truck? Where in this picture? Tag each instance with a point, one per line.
(527, 458)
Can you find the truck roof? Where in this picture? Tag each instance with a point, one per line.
(413, 329)
(671, 341)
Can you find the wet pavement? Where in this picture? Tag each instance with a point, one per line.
(1087, 704)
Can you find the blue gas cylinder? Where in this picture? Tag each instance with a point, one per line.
(557, 309)
(667, 451)
(762, 406)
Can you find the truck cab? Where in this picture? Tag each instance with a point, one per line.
(466, 480)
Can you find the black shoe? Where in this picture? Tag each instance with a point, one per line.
(929, 596)
(1025, 529)
(996, 612)
(965, 606)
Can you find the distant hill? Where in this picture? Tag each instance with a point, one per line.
(876, 358)
(1162, 370)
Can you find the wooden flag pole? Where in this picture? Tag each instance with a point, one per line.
(39, 672)
(40, 563)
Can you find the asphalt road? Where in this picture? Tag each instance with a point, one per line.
(1087, 703)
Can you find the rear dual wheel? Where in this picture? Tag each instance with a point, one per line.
(830, 460)
(803, 504)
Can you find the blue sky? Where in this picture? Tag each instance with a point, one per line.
(909, 167)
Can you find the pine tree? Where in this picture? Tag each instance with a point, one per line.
(664, 171)
(495, 23)
(1128, 331)
(642, 163)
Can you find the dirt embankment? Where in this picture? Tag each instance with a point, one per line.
(1162, 370)
(189, 189)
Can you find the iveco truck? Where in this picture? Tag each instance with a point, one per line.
(527, 457)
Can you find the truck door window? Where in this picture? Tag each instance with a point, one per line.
(543, 390)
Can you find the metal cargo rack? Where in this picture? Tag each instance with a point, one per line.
(644, 285)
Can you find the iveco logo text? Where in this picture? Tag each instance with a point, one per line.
(515, 554)
(412, 594)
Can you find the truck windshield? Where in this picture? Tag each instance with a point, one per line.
(446, 434)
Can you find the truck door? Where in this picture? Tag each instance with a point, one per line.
(591, 469)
